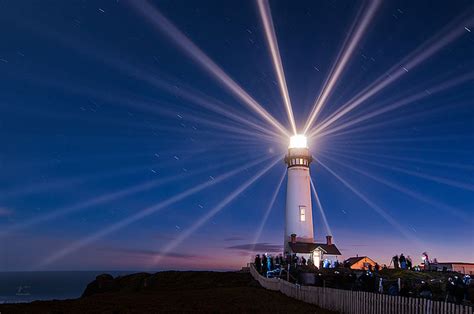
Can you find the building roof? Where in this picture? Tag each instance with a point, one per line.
(304, 247)
(353, 260)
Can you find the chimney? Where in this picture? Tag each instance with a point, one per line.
(329, 240)
(293, 238)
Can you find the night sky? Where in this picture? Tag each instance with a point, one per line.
(103, 115)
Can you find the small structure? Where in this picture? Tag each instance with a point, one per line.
(461, 267)
(321, 254)
(359, 262)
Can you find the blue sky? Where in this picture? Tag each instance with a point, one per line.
(95, 100)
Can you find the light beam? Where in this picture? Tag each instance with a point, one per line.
(161, 23)
(143, 213)
(420, 197)
(419, 55)
(321, 209)
(400, 103)
(459, 185)
(375, 207)
(214, 211)
(267, 21)
(105, 198)
(267, 212)
(341, 62)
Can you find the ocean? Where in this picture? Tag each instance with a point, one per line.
(17, 287)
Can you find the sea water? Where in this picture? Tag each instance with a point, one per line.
(17, 287)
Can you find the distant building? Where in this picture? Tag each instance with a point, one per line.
(463, 268)
(359, 262)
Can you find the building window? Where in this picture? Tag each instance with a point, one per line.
(302, 213)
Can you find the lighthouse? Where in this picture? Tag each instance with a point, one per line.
(299, 232)
(298, 211)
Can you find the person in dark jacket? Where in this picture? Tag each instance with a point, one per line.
(403, 261)
(377, 267)
(409, 262)
(395, 262)
(258, 263)
(459, 290)
(264, 265)
(303, 261)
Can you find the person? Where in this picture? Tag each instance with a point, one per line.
(377, 267)
(403, 261)
(426, 261)
(326, 263)
(450, 290)
(295, 260)
(258, 263)
(269, 263)
(280, 260)
(303, 261)
(409, 262)
(264, 265)
(467, 283)
(395, 262)
(459, 290)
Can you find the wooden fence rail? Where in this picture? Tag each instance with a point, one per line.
(358, 302)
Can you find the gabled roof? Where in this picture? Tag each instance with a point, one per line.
(353, 260)
(303, 247)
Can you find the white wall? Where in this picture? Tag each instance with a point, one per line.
(298, 194)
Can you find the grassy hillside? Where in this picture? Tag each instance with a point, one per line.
(179, 292)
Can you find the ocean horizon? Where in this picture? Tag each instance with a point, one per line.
(28, 286)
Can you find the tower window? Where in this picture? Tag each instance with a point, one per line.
(302, 213)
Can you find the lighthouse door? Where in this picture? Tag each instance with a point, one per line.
(317, 258)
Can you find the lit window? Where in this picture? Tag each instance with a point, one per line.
(302, 213)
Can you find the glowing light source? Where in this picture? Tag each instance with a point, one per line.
(298, 141)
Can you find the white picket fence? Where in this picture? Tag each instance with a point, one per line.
(358, 302)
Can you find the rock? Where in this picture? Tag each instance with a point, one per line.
(102, 283)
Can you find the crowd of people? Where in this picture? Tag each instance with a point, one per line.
(402, 262)
(266, 264)
(373, 279)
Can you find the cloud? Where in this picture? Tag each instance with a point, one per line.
(146, 253)
(230, 239)
(257, 247)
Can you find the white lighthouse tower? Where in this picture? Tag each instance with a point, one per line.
(299, 212)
